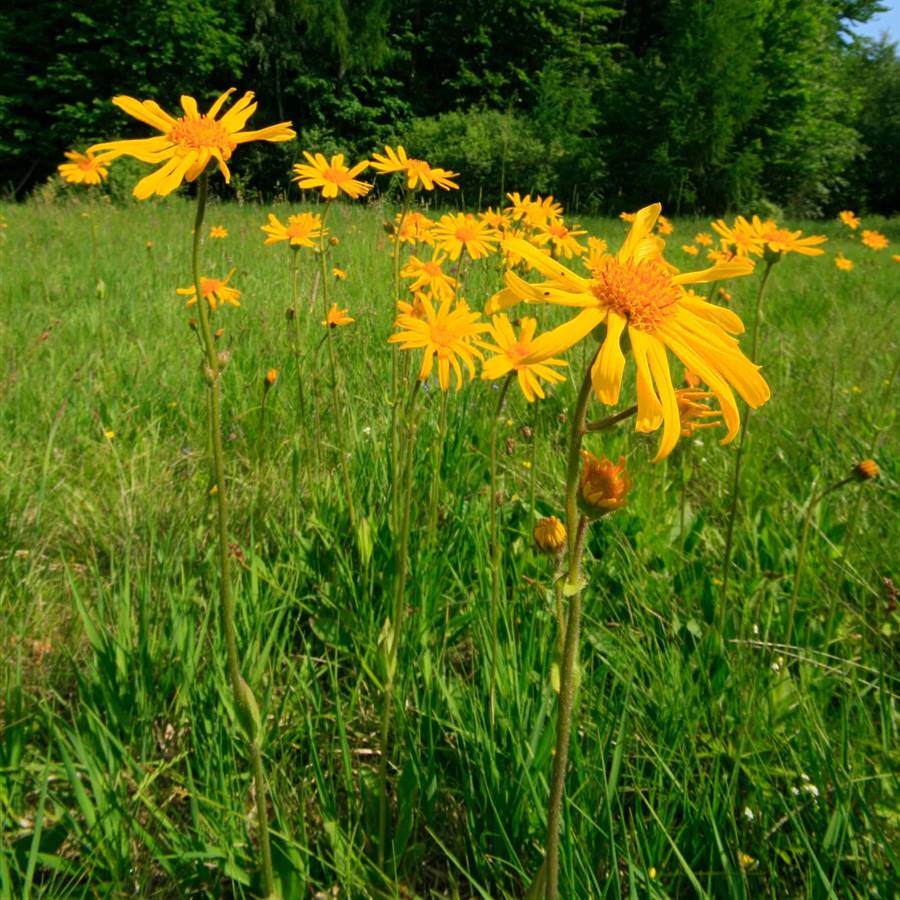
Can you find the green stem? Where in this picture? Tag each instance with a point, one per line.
(436, 471)
(575, 528)
(496, 551)
(610, 421)
(739, 456)
(245, 703)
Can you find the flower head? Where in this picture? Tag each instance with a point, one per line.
(664, 226)
(564, 240)
(639, 293)
(693, 411)
(187, 144)
(218, 231)
(740, 235)
(85, 168)
(456, 232)
(783, 240)
(331, 177)
(844, 264)
(533, 212)
(216, 292)
(418, 172)
(445, 334)
(302, 230)
(430, 276)
(849, 219)
(510, 351)
(413, 228)
(690, 249)
(874, 240)
(603, 486)
(703, 238)
(337, 317)
(866, 470)
(550, 535)
(339, 274)
(271, 378)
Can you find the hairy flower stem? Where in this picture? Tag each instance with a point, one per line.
(335, 399)
(496, 551)
(245, 703)
(739, 455)
(394, 632)
(575, 528)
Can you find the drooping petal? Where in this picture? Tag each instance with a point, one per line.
(547, 266)
(606, 374)
(650, 411)
(659, 367)
(722, 317)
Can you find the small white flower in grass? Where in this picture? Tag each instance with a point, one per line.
(748, 814)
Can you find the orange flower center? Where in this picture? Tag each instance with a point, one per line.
(296, 230)
(210, 286)
(202, 133)
(518, 351)
(442, 338)
(417, 167)
(641, 292)
(88, 165)
(558, 231)
(432, 269)
(465, 233)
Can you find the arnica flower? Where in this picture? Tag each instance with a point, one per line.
(874, 240)
(429, 276)
(217, 231)
(416, 309)
(215, 290)
(339, 274)
(690, 249)
(563, 240)
(85, 168)
(510, 351)
(719, 256)
(844, 264)
(271, 377)
(445, 333)
(627, 217)
(740, 236)
(337, 317)
(603, 486)
(896, 257)
(866, 470)
(497, 219)
(302, 230)
(664, 226)
(849, 219)
(639, 291)
(533, 212)
(703, 238)
(331, 177)
(550, 535)
(414, 229)
(418, 172)
(693, 411)
(597, 249)
(783, 240)
(187, 144)
(456, 232)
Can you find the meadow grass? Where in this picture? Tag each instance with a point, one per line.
(704, 764)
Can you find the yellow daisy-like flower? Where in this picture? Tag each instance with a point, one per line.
(445, 334)
(302, 230)
(690, 249)
(510, 352)
(720, 256)
(218, 231)
(664, 226)
(429, 275)
(741, 236)
(414, 229)
(337, 317)
(456, 232)
(85, 168)
(416, 309)
(639, 291)
(844, 264)
(874, 240)
(216, 292)
(703, 238)
(533, 212)
(331, 177)
(339, 274)
(564, 240)
(627, 217)
(849, 219)
(497, 219)
(783, 240)
(597, 249)
(187, 144)
(418, 172)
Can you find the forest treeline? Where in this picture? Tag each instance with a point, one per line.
(707, 105)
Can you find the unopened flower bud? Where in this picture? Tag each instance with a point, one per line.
(603, 486)
(271, 378)
(550, 535)
(866, 470)
(333, 241)
(224, 357)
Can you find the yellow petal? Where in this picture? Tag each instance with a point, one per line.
(644, 221)
(148, 112)
(606, 374)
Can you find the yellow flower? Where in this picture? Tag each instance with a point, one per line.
(85, 168)
(563, 239)
(782, 240)
(720, 256)
(446, 334)
(597, 248)
(416, 309)
(217, 231)
(603, 486)
(849, 219)
(533, 212)
(510, 351)
(690, 409)
(844, 264)
(703, 238)
(416, 229)
(331, 177)
(418, 172)
(187, 144)
(550, 535)
(745, 861)
(690, 249)
(896, 257)
(664, 226)
(271, 377)
(866, 470)
(627, 217)
(339, 274)
(337, 317)
(109, 435)
(497, 219)
(302, 230)
(741, 236)
(216, 291)
(456, 232)
(639, 291)
(874, 240)
(429, 275)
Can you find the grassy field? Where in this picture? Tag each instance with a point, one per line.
(706, 762)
